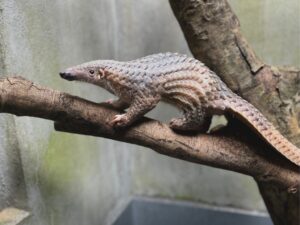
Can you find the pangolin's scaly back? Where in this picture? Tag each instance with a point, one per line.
(253, 117)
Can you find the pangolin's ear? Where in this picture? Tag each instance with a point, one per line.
(101, 73)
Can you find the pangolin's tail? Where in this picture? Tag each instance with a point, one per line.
(256, 120)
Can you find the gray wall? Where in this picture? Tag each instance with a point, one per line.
(71, 179)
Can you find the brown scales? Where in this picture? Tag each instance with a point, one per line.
(182, 81)
(265, 129)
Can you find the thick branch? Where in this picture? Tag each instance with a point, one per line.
(213, 35)
(72, 114)
(212, 31)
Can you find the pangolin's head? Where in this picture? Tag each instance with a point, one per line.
(91, 72)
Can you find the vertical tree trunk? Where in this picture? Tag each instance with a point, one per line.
(213, 34)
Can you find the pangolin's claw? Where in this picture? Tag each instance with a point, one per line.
(119, 120)
(109, 101)
(116, 104)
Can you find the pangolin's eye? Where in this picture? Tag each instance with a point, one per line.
(92, 71)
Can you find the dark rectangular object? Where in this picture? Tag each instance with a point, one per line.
(145, 211)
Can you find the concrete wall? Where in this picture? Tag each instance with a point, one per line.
(72, 179)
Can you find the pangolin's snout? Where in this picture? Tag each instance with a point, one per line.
(67, 76)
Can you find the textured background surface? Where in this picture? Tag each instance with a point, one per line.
(72, 179)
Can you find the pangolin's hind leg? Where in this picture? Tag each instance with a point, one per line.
(192, 120)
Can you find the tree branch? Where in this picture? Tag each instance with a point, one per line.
(223, 150)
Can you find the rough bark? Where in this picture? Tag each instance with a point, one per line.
(213, 34)
(231, 148)
(212, 31)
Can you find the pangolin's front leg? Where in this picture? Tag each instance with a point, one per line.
(139, 106)
(117, 104)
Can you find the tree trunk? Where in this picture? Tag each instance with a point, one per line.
(213, 34)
